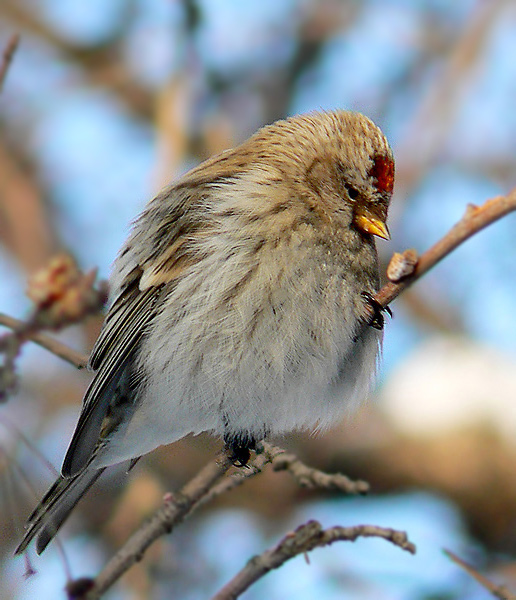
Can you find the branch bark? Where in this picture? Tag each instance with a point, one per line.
(304, 539)
(308, 476)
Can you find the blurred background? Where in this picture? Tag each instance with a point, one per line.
(108, 100)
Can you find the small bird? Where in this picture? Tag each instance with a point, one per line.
(237, 303)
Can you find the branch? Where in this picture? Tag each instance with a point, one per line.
(305, 538)
(203, 488)
(281, 460)
(474, 220)
(497, 591)
(62, 295)
(308, 476)
(77, 359)
(174, 510)
(7, 57)
(255, 467)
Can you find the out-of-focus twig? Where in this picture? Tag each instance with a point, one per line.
(430, 124)
(7, 57)
(101, 64)
(497, 591)
(62, 295)
(77, 359)
(305, 538)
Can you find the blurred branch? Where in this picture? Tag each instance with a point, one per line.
(25, 229)
(315, 30)
(430, 125)
(435, 314)
(7, 57)
(474, 220)
(500, 592)
(101, 64)
(77, 359)
(305, 538)
(62, 295)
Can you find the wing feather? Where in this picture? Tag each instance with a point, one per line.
(112, 355)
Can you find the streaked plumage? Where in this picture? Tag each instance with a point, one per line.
(236, 301)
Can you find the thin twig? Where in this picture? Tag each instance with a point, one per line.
(7, 57)
(308, 476)
(77, 359)
(498, 591)
(281, 460)
(305, 538)
(163, 521)
(255, 467)
(474, 220)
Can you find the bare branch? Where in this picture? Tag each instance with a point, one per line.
(281, 460)
(62, 295)
(77, 359)
(255, 467)
(174, 510)
(305, 538)
(7, 57)
(308, 476)
(474, 220)
(497, 591)
(204, 487)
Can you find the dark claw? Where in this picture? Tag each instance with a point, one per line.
(378, 320)
(238, 449)
(239, 456)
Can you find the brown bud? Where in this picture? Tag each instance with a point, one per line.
(402, 265)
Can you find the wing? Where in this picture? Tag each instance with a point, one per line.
(55, 507)
(112, 355)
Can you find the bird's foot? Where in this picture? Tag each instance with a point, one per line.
(239, 449)
(378, 320)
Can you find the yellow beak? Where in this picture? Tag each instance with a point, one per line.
(370, 224)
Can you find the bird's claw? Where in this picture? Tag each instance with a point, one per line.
(239, 449)
(378, 320)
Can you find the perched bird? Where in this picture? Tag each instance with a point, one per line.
(237, 302)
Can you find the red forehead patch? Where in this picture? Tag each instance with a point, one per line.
(383, 171)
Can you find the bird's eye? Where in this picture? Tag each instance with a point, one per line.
(353, 193)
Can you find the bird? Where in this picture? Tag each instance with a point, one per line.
(237, 303)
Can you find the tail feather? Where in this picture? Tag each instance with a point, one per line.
(55, 507)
